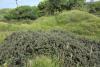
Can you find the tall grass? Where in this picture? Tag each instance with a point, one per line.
(43, 61)
(79, 22)
(40, 61)
(3, 35)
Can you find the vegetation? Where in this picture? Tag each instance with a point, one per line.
(71, 51)
(94, 8)
(49, 62)
(67, 20)
(56, 33)
(3, 12)
(50, 7)
(20, 13)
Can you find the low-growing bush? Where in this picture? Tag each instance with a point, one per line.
(76, 16)
(94, 7)
(22, 13)
(70, 50)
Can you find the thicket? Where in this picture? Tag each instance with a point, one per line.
(70, 50)
(94, 7)
(3, 12)
(22, 13)
(50, 7)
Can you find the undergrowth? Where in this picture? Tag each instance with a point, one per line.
(70, 50)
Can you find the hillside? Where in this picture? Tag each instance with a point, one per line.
(49, 33)
(70, 38)
(78, 22)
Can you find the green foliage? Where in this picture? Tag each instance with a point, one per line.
(42, 7)
(96, 4)
(22, 12)
(36, 11)
(49, 7)
(3, 12)
(43, 61)
(52, 6)
(3, 35)
(70, 4)
(94, 7)
(76, 16)
(79, 22)
(71, 51)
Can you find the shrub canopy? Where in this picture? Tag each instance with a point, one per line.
(50, 7)
(71, 51)
(22, 12)
(94, 7)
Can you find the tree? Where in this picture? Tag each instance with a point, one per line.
(69, 4)
(50, 6)
(42, 8)
(54, 6)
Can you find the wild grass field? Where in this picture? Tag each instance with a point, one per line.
(78, 22)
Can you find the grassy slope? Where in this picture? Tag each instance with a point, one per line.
(81, 23)
(78, 22)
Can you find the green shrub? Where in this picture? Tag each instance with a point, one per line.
(3, 12)
(94, 7)
(71, 51)
(22, 12)
(52, 7)
(42, 7)
(76, 16)
(70, 4)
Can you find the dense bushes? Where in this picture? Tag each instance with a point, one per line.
(71, 51)
(94, 7)
(22, 12)
(42, 7)
(3, 12)
(70, 4)
(51, 7)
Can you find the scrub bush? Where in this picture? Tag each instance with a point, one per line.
(94, 7)
(22, 13)
(70, 50)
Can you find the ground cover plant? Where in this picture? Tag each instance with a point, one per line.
(70, 50)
